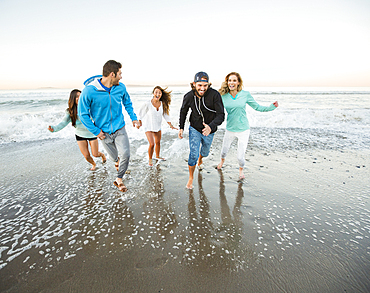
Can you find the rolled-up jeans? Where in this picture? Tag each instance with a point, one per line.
(198, 141)
(118, 147)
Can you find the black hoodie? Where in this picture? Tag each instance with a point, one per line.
(210, 105)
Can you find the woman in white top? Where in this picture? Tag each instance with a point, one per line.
(150, 116)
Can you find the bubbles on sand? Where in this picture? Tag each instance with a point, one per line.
(281, 209)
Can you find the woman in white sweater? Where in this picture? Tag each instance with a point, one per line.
(150, 117)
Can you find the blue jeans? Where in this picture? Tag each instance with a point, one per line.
(196, 139)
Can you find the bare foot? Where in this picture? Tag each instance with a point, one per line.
(219, 166)
(189, 185)
(104, 159)
(241, 174)
(119, 184)
(93, 168)
(151, 162)
(160, 159)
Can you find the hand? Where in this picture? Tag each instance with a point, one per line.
(206, 130)
(180, 133)
(51, 129)
(276, 104)
(136, 124)
(101, 135)
(172, 127)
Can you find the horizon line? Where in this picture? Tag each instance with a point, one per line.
(186, 85)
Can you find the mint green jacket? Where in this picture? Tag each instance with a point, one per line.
(80, 129)
(237, 120)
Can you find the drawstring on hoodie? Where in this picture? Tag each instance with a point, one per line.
(198, 107)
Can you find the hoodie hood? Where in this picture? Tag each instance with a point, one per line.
(94, 81)
(91, 79)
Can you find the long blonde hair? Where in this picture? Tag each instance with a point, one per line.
(224, 86)
(165, 99)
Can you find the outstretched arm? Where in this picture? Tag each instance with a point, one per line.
(251, 102)
(142, 112)
(172, 127)
(61, 125)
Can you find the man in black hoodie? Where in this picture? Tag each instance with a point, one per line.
(207, 112)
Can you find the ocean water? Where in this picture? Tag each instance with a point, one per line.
(329, 117)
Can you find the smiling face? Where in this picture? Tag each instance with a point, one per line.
(116, 77)
(157, 94)
(233, 82)
(201, 88)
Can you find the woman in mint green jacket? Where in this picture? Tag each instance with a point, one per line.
(237, 125)
(83, 136)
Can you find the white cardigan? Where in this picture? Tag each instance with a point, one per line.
(151, 117)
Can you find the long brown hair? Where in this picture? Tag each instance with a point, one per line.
(72, 106)
(224, 86)
(165, 99)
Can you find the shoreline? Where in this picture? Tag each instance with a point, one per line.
(298, 222)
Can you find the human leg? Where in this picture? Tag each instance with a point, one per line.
(243, 138)
(157, 140)
(123, 148)
(83, 145)
(189, 185)
(206, 142)
(150, 137)
(200, 160)
(226, 143)
(94, 144)
(194, 145)
(110, 147)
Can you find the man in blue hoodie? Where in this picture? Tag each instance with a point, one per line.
(100, 110)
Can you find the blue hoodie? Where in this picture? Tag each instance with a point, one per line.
(102, 110)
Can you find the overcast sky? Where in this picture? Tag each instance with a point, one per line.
(47, 43)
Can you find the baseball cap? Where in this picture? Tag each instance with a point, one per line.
(201, 76)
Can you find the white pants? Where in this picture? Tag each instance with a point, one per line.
(243, 138)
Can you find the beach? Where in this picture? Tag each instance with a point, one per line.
(299, 222)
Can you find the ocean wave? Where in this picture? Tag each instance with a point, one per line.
(27, 117)
(34, 103)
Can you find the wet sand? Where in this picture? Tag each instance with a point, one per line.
(299, 222)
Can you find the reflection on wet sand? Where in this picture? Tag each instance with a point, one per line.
(217, 245)
(159, 220)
